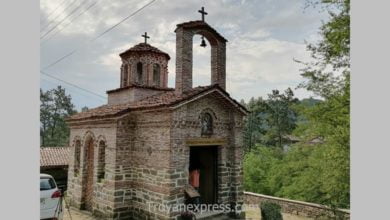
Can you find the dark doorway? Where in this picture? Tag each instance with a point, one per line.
(204, 158)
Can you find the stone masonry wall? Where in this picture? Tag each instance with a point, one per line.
(294, 207)
(186, 125)
(130, 95)
(103, 197)
(147, 159)
(129, 69)
(184, 57)
(142, 165)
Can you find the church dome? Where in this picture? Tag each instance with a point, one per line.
(144, 65)
(143, 48)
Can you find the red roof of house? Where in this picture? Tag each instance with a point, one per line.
(54, 157)
(144, 48)
(165, 99)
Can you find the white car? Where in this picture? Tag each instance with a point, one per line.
(51, 198)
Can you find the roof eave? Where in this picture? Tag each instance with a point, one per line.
(194, 24)
(126, 53)
(215, 88)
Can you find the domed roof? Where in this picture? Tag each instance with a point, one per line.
(143, 48)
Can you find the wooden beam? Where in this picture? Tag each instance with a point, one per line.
(206, 141)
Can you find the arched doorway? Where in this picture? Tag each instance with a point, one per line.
(89, 167)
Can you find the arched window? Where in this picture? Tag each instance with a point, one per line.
(156, 74)
(139, 73)
(101, 161)
(125, 75)
(77, 150)
(207, 124)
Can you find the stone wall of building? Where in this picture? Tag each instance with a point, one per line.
(129, 69)
(147, 159)
(103, 196)
(295, 207)
(142, 164)
(186, 125)
(131, 95)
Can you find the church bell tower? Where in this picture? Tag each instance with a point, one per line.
(184, 54)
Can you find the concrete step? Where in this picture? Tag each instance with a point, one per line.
(212, 215)
(208, 215)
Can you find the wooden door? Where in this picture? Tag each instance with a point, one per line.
(206, 157)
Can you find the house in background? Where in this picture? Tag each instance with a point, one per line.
(315, 140)
(54, 161)
(289, 140)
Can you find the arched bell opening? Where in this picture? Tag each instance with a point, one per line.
(201, 67)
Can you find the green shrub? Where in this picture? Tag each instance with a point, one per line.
(187, 215)
(270, 211)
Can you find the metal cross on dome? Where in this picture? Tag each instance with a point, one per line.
(146, 37)
(203, 12)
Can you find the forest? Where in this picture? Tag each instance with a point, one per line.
(299, 149)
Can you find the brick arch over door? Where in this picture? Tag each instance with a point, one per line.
(88, 170)
(184, 54)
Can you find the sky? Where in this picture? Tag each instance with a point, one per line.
(264, 37)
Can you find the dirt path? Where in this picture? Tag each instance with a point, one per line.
(75, 214)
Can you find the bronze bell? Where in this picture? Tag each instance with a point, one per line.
(203, 43)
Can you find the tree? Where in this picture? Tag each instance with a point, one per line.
(55, 107)
(270, 119)
(281, 117)
(330, 162)
(255, 124)
(257, 168)
(328, 73)
(329, 77)
(84, 109)
(316, 173)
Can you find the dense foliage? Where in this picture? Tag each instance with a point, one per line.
(310, 171)
(270, 120)
(270, 211)
(55, 107)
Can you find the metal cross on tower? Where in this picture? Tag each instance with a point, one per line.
(203, 13)
(146, 37)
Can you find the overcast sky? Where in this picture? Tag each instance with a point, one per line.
(264, 36)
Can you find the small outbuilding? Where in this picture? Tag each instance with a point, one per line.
(54, 161)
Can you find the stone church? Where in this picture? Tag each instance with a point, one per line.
(135, 152)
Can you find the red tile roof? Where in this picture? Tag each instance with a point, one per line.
(166, 99)
(54, 157)
(144, 48)
(140, 86)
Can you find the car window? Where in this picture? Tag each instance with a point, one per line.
(47, 184)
